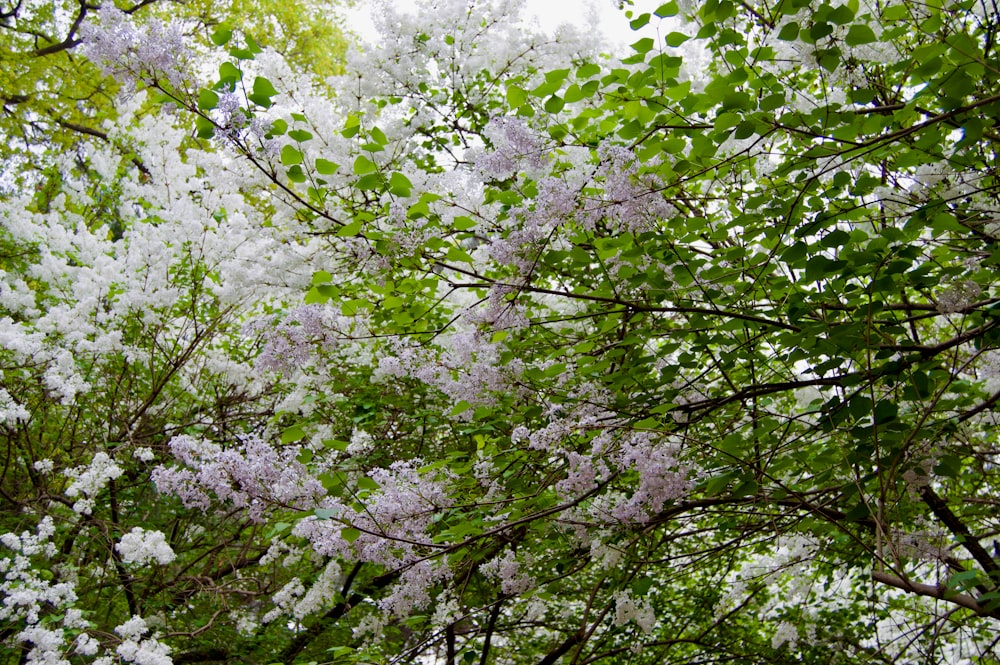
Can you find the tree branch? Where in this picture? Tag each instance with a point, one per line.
(959, 530)
(939, 591)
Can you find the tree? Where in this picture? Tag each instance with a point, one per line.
(53, 98)
(498, 349)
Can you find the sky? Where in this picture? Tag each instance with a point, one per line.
(548, 14)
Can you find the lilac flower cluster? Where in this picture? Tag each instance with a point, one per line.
(468, 369)
(253, 476)
(138, 649)
(236, 125)
(394, 524)
(662, 476)
(958, 297)
(290, 344)
(413, 590)
(514, 147)
(394, 527)
(131, 53)
(627, 202)
(659, 474)
(88, 481)
(555, 204)
(501, 312)
(510, 573)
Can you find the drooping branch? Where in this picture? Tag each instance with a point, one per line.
(959, 530)
(939, 591)
(567, 644)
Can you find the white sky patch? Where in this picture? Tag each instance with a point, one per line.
(602, 15)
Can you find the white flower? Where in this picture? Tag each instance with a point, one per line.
(144, 454)
(90, 480)
(785, 633)
(958, 297)
(628, 608)
(11, 412)
(142, 547)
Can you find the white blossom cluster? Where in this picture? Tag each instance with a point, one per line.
(11, 412)
(629, 608)
(89, 480)
(28, 595)
(958, 296)
(137, 649)
(142, 547)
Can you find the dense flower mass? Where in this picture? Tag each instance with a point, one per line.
(131, 52)
(492, 344)
(255, 477)
(141, 546)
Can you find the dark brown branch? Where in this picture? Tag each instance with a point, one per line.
(81, 129)
(567, 644)
(71, 39)
(959, 530)
(634, 306)
(980, 407)
(449, 635)
(494, 614)
(939, 591)
(201, 656)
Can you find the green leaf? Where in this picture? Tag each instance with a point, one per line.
(642, 585)
(371, 181)
(292, 434)
(221, 36)
(299, 135)
(639, 21)
(860, 34)
(554, 104)
(378, 136)
(789, 32)
(278, 128)
(667, 9)
(261, 86)
(366, 483)
(204, 127)
(351, 126)
(841, 15)
(399, 184)
(350, 229)
(772, 102)
(229, 74)
(252, 44)
(290, 155)
(675, 39)
(644, 45)
(207, 99)
(363, 165)
(350, 534)
(819, 30)
(460, 408)
(516, 97)
(326, 167)
(456, 253)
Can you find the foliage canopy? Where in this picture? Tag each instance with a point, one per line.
(498, 349)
